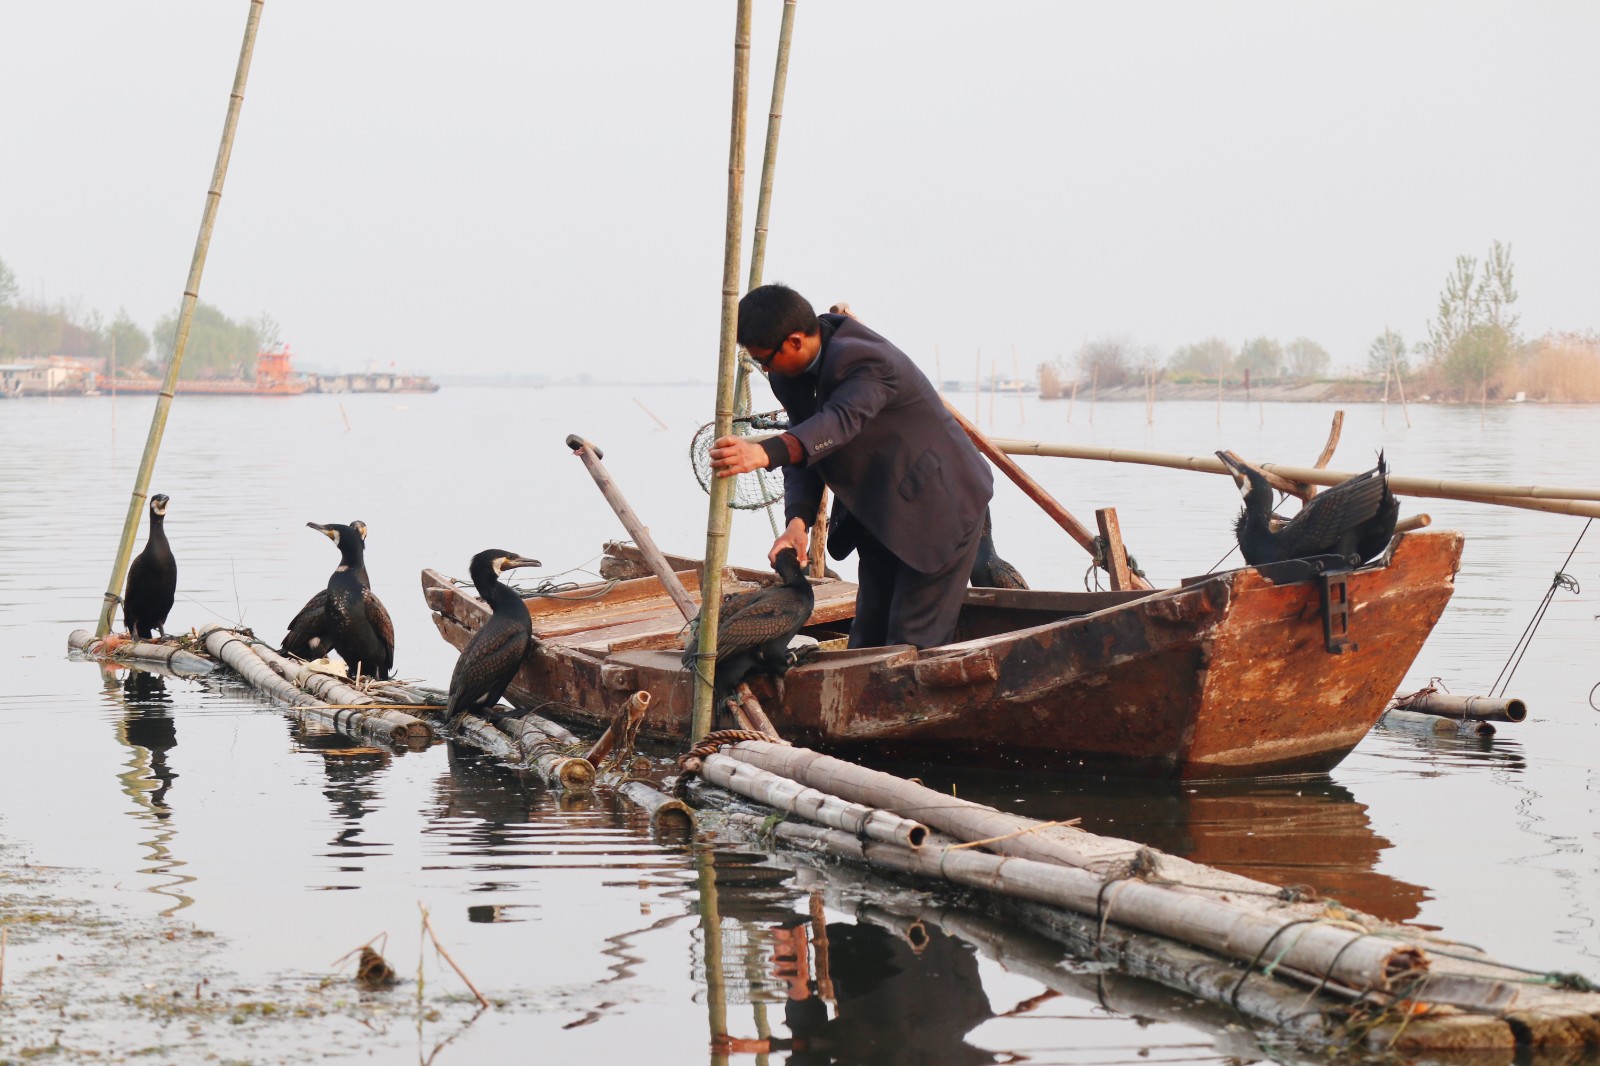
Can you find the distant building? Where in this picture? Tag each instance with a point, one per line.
(51, 375)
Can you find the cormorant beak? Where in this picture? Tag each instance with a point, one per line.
(1239, 479)
(331, 534)
(158, 504)
(516, 561)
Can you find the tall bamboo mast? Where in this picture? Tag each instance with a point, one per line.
(717, 519)
(191, 294)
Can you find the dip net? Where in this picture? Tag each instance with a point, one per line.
(758, 488)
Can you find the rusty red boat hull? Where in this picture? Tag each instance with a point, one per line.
(1228, 676)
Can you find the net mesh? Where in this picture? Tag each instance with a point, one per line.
(758, 488)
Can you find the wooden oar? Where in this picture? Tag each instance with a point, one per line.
(1034, 491)
(1573, 501)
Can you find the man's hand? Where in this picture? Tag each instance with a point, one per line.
(736, 455)
(793, 537)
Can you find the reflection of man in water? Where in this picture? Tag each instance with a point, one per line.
(894, 1006)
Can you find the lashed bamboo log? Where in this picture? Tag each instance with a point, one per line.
(180, 342)
(333, 690)
(905, 926)
(640, 533)
(545, 749)
(486, 738)
(1475, 708)
(626, 722)
(1431, 725)
(1031, 488)
(786, 795)
(666, 812)
(1558, 500)
(717, 520)
(1343, 953)
(241, 654)
(179, 660)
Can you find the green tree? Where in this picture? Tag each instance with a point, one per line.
(1210, 358)
(1307, 358)
(1378, 354)
(1474, 331)
(218, 346)
(130, 343)
(8, 286)
(1263, 357)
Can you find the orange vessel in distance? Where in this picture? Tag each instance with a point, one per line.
(275, 376)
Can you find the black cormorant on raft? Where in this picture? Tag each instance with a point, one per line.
(495, 653)
(989, 571)
(152, 579)
(307, 630)
(346, 617)
(755, 627)
(1354, 518)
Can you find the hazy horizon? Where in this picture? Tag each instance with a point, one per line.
(540, 190)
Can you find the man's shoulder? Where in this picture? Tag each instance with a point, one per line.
(853, 342)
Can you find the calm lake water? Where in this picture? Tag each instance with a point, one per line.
(193, 812)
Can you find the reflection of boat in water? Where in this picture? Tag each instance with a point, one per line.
(1305, 831)
(1232, 674)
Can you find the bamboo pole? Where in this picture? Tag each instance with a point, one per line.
(179, 660)
(591, 457)
(717, 518)
(809, 803)
(1432, 725)
(545, 748)
(817, 550)
(1034, 491)
(1469, 708)
(191, 295)
(1556, 500)
(626, 724)
(769, 157)
(1399, 380)
(665, 811)
(1344, 952)
(711, 942)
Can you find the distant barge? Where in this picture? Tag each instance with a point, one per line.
(276, 376)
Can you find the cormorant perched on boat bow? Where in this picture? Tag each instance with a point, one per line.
(352, 620)
(152, 579)
(1354, 519)
(989, 570)
(495, 652)
(755, 627)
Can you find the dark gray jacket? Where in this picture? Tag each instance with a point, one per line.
(877, 433)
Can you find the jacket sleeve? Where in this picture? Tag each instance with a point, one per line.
(863, 391)
(802, 494)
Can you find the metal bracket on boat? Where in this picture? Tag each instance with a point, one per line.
(1335, 596)
(1290, 571)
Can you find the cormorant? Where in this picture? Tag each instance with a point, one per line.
(1353, 518)
(152, 579)
(989, 570)
(354, 623)
(307, 637)
(754, 628)
(495, 652)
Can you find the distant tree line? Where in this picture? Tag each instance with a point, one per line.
(218, 346)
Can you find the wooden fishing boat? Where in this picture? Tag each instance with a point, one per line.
(1251, 671)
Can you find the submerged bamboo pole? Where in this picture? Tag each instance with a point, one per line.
(788, 795)
(1557, 500)
(717, 517)
(1343, 952)
(665, 811)
(191, 295)
(545, 746)
(1400, 721)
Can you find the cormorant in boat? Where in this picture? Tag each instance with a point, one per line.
(307, 630)
(495, 653)
(152, 579)
(354, 622)
(1354, 518)
(989, 570)
(755, 627)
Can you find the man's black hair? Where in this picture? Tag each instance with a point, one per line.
(769, 313)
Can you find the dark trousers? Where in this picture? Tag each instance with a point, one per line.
(898, 605)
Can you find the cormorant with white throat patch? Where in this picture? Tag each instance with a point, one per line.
(354, 622)
(1354, 519)
(152, 579)
(495, 652)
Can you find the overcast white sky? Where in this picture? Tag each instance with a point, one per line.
(539, 188)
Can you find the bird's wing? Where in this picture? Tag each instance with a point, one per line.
(1329, 514)
(382, 625)
(733, 604)
(1006, 576)
(308, 626)
(782, 610)
(478, 669)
